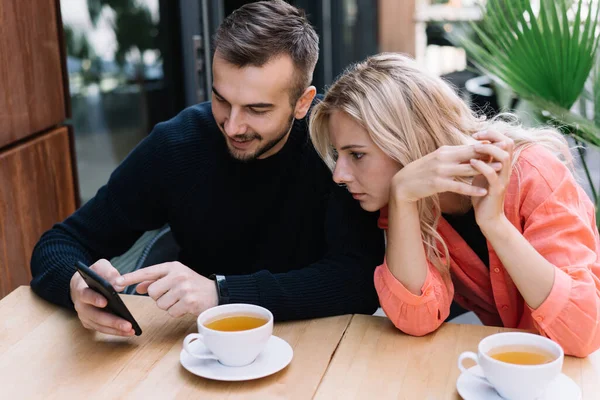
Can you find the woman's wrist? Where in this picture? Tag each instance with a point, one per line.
(398, 194)
(399, 201)
(496, 229)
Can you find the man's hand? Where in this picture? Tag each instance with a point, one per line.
(88, 303)
(175, 288)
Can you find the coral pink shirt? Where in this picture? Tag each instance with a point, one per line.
(545, 203)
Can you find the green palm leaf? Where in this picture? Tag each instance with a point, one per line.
(582, 128)
(596, 93)
(542, 55)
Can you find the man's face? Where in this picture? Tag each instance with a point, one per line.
(252, 106)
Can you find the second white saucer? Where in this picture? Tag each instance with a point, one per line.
(471, 388)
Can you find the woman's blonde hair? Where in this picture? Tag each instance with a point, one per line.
(409, 114)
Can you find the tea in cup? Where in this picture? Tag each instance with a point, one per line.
(518, 365)
(235, 334)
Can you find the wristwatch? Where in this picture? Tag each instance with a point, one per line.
(222, 289)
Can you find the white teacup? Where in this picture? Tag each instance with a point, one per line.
(237, 348)
(515, 381)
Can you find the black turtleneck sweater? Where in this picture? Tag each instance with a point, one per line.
(284, 235)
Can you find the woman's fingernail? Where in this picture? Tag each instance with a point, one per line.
(481, 191)
(119, 281)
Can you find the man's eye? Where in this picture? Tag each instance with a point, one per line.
(257, 112)
(357, 156)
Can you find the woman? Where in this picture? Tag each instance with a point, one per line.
(482, 212)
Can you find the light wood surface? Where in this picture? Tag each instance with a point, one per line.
(46, 353)
(375, 360)
(36, 191)
(32, 85)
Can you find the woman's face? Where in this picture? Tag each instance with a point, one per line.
(362, 166)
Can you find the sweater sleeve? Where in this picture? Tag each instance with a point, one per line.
(412, 314)
(106, 226)
(339, 283)
(560, 224)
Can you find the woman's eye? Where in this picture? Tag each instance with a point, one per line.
(357, 156)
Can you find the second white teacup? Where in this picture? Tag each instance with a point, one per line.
(518, 365)
(235, 334)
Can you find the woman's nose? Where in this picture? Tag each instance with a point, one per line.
(341, 175)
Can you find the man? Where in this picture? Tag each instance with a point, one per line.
(244, 192)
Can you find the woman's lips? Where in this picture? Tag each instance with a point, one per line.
(358, 196)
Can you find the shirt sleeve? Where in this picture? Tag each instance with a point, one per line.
(412, 314)
(560, 224)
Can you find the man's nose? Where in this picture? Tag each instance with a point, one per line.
(234, 125)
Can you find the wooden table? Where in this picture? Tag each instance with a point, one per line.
(375, 361)
(46, 353)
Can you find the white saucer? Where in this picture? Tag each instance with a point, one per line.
(275, 357)
(471, 388)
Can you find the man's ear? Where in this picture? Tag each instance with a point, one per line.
(304, 102)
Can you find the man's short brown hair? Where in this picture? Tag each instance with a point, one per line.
(257, 32)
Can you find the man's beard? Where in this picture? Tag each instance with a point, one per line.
(262, 148)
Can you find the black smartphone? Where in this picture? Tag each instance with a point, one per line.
(115, 304)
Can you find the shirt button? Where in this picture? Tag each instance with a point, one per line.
(539, 318)
(505, 307)
(427, 292)
(496, 270)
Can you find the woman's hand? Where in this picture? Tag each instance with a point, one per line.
(489, 209)
(437, 172)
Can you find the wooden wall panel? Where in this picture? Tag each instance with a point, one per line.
(397, 26)
(36, 191)
(32, 94)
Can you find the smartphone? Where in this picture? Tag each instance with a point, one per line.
(115, 304)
